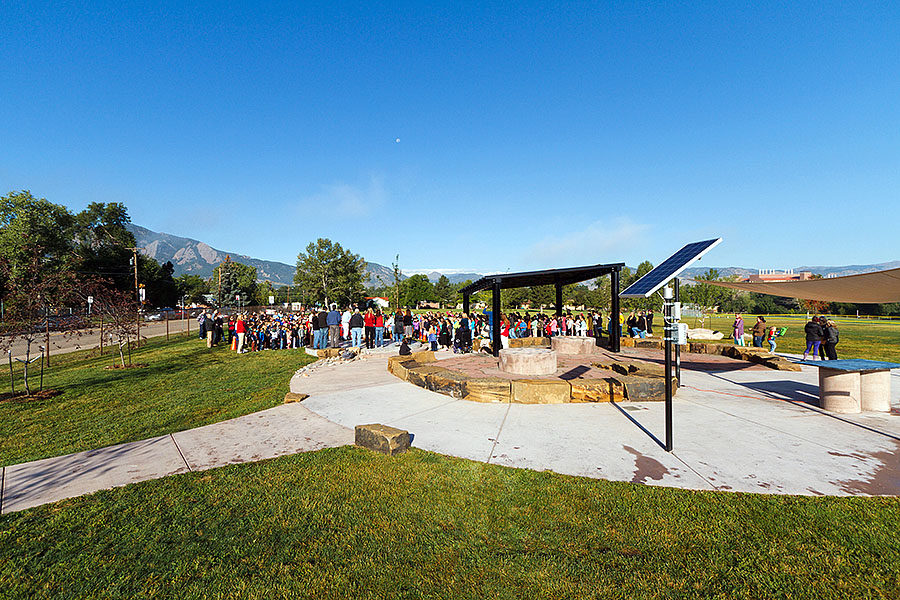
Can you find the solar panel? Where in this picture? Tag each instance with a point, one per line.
(668, 269)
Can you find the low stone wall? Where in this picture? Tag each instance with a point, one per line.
(759, 356)
(638, 383)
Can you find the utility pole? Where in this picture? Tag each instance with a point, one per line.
(137, 290)
(221, 266)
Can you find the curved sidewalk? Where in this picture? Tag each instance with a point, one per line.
(741, 429)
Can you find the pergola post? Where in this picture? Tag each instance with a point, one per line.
(614, 341)
(559, 308)
(495, 330)
(466, 304)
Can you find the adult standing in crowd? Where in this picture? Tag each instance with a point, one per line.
(398, 327)
(759, 331)
(345, 323)
(334, 326)
(356, 329)
(737, 330)
(408, 324)
(240, 329)
(315, 331)
(814, 334)
(831, 339)
(322, 317)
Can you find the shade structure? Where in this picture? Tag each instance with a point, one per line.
(880, 287)
(554, 277)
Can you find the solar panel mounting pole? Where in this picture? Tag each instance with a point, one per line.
(669, 336)
(678, 346)
(495, 329)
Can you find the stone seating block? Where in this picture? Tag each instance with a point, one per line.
(645, 389)
(541, 391)
(382, 438)
(597, 390)
(645, 343)
(400, 368)
(328, 352)
(418, 374)
(292, 397)
(488, 389)
(447, 382)
(423, 357)
(626, 342)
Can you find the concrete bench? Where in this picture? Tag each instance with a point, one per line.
(854, 385)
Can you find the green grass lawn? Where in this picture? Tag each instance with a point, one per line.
(348, 523)
(859, 338)
(184, 385)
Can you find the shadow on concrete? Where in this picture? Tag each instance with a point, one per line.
(786, 390)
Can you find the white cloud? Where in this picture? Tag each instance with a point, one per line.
(598, 242)
(347, 200)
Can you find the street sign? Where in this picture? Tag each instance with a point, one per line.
(143, 294)
(271, 299)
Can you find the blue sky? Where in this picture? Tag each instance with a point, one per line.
(531, 135)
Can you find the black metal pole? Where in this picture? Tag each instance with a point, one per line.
(677, 346)
(614, 341)
(466, 304)
(667, 313)
(12, 382)
(559, 308)
(495, 330)
(42, 371)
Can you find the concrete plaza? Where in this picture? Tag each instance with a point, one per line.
(736, 427)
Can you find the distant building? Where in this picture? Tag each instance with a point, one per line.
(773, 275)
(379, 301)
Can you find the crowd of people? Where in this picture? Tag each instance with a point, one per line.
(821, 335)
(374, 328)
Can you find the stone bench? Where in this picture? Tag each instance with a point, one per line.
(382, 438)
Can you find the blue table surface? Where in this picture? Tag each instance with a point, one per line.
(851, 364)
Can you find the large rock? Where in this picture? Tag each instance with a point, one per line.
(626, 342)
(293, 397)
(573, 344)
(529, 342)
(528, 361)
(328, 352)
(705, 334)
(597, 390)
(382, 438)
(447, 382)
(780, 363)
(418, 375)
(540, 391)
(648, 343)
(399, 366)
(488, 389)
(423, 357)
(645, 389)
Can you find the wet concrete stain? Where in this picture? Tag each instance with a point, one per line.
(883, 481)
(645, 467)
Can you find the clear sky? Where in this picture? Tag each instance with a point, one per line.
(531, 135)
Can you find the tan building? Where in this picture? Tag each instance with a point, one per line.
(773, 275)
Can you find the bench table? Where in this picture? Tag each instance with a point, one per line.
(854, 385)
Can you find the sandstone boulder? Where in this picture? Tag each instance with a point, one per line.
(487, 389)
(597, 390)
(292, 397)
(382, 438)
(418, 374)
(540, 391)
(447, 382)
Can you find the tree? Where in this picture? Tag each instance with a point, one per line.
(443, 290)
(416, 289)
(28, 223)
(33, 286)
(241, 281)
(330, 273)
(263, 291)
(398, 275)
(193, 287)
(119, 311)
(103, 244)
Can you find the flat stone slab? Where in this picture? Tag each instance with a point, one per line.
(382, 438)
(528, 361)
(540, 391)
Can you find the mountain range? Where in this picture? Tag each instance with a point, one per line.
(198, 258)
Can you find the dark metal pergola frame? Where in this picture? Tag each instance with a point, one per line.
(555, 277)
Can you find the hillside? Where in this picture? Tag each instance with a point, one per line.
(198, 258)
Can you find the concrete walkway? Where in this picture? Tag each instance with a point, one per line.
(737, 429)
(285, 429)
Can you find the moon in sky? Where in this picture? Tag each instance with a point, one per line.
(397, 140)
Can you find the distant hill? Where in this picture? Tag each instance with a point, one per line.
(198, 258)
(820, 270)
